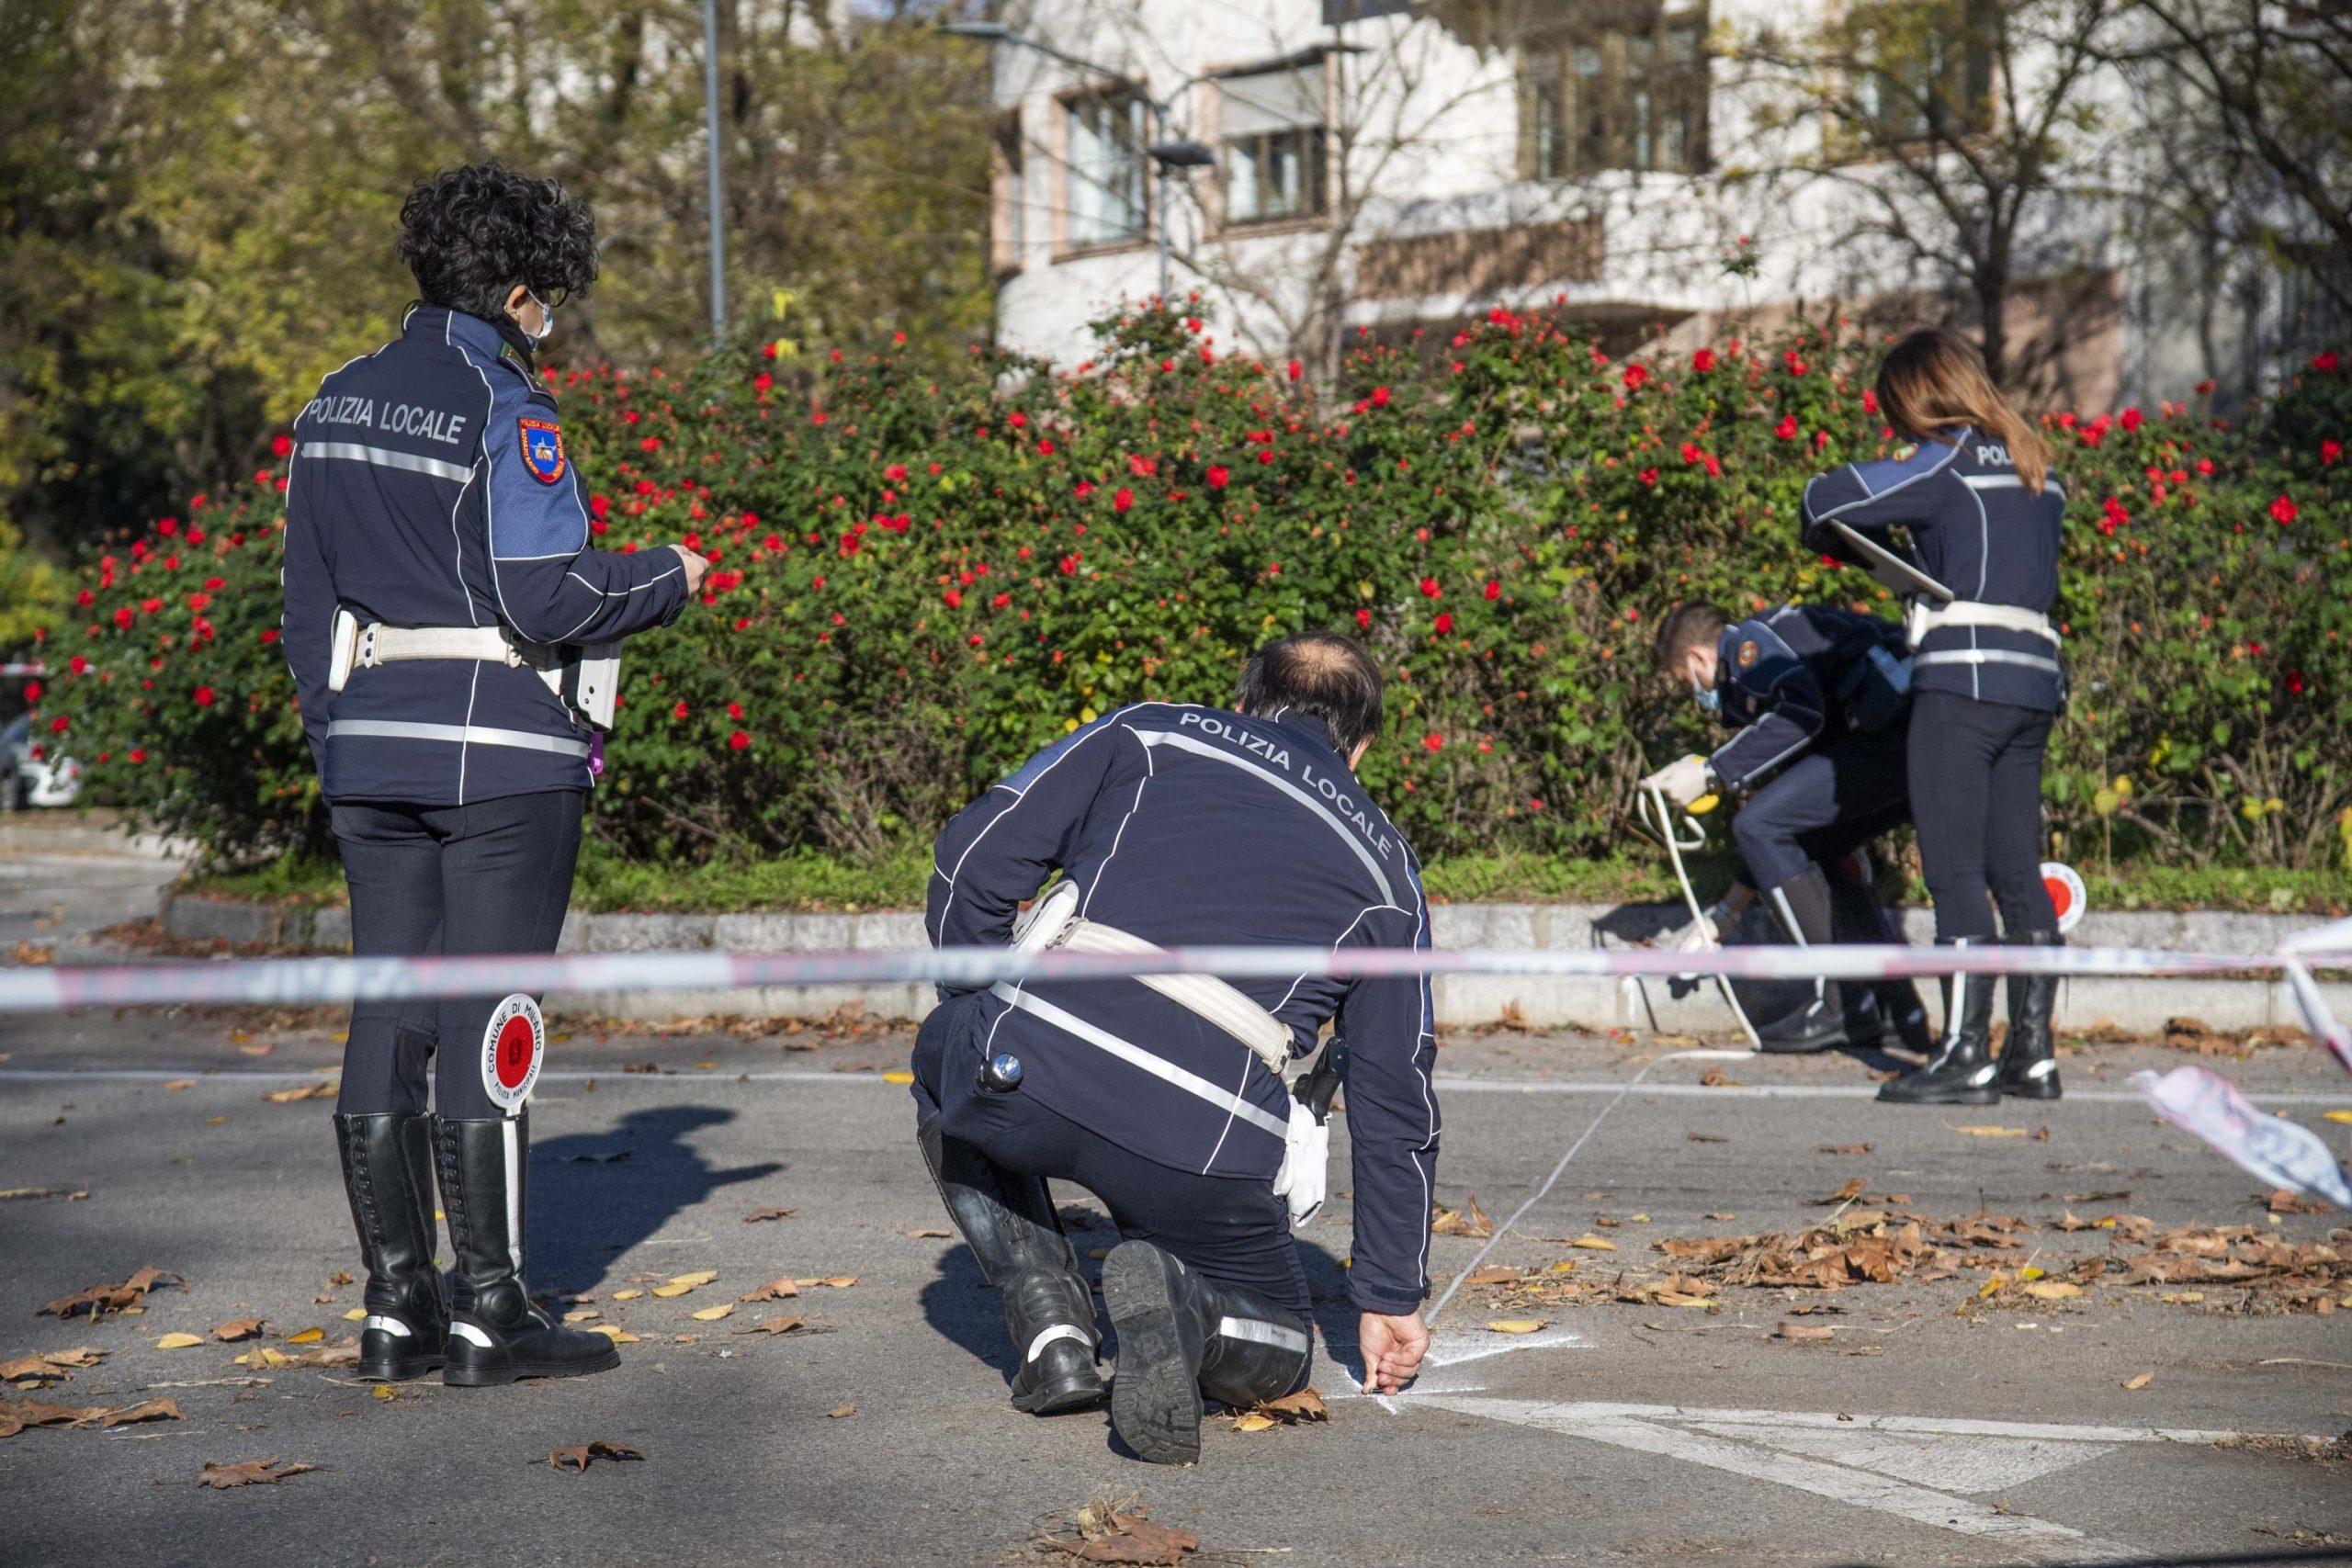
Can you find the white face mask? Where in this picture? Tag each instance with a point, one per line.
(547, 320)
(1709, 699)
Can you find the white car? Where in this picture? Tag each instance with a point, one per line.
(35, 781)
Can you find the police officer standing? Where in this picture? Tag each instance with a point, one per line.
(446, 624)
(1973, 488)
(1165, 1096)
(1817, 695)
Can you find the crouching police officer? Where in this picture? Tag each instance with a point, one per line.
(1818, 695)
(443, 617)
(1165, 1096)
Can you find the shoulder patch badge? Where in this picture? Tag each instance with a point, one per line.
(542, 444)
(1747, 655)
(1906, 452)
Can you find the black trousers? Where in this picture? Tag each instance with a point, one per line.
(492, 877)
(1976, 801)
(1824, 806)
(1228, 1228)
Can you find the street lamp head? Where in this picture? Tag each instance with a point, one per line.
(992, 32)
(1180, 155)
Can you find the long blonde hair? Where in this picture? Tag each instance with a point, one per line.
(1933, 381)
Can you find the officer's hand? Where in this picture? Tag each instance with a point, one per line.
(695, 568)
(1682, 781)
(1393, 1348)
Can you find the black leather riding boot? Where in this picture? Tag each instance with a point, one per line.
(1182, 1336)
(1008, 1222)
(2029, 1055)
(1802, 908)
(497, 1333)
(387, 1175)
(1960, 1071)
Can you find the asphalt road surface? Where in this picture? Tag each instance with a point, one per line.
(1931, 1424)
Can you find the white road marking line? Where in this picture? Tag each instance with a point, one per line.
(1757, 1455)
(1454, 1349)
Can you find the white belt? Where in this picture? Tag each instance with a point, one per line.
(380, 644)
(584, 679)
(1924, 617)
(1203, 995)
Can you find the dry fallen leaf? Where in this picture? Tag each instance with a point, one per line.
(667, 1292)
(1990, 1132)
(1803, 1331)
(627, 1296)
(1591, 1242)
(2141, 1381)
(613, 1332)
(131, 1415)
(1467, 1220)
(1306, 1405)
(1517, 1324)
(179, 1341)
(1714, 1078)
(580, 1456)
(243, 1328)
(48, 1366)
(250, 1472)
(2336, 1116)
(178, 1084)
(1850, 1191)
(712, 1314)
(774, 1326)
(101, 1300)
(837, 1281)
(2051, 1290)
(838, 1411)
(306, 1336)
(1843, 1149)
(774, 1291)
(1253, 1422)
(326, 1089)
(756, 1215)
(930, 1232)
(1704, 1137)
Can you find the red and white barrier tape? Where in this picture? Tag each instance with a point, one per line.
(2193, 1098)
(286, 981)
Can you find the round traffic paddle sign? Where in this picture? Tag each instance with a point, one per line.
(2067, 895)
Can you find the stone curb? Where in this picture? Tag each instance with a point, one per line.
(1462, 1001)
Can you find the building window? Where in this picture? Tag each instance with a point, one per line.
(1271, 133)
(1622, 97)
(1106, 137)
(1925, 71)
(1008, 231)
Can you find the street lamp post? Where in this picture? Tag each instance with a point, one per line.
(1167, 154)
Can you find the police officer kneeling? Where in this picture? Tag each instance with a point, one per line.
(442, 608)
(1819, 697)
(1165, 1097)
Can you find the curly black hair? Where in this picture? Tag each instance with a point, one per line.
(470, 235)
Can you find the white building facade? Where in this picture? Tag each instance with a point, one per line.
(1378, 167)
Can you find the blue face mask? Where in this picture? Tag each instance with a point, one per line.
(1710, 700)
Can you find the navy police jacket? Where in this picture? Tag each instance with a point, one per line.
(1786, 677)
(1186, 825)
(1975, 528)
(429, 487)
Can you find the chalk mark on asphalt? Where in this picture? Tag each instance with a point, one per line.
(1916, 1467)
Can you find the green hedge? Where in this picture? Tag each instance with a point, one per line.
(918, 580)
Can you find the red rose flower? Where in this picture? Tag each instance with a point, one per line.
(739, 741)
(2282, 511)
(2129, 419)
(1635, 375)
(1443, 623)
(1218, 474)
(1703, 360)
(1787, 429)
(1429, 588)
(1364, 619)
(1123, 499)
(2324, 362)
(2329, 451)
(283, 446)
(204, 696)
(1435, 743)
(680, 710)
(1494, 591)
(954, 598)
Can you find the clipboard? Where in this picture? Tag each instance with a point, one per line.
(1890, 570)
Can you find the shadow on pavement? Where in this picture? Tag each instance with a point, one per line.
(596, 1195)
